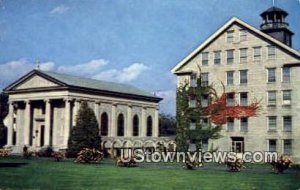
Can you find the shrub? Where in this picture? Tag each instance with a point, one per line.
(190, 165)
(282, 163)
(235, 165)
(45, 152)
(26, 152)
(59, 155)
(4, 152)
(88, 155)
(126, 162)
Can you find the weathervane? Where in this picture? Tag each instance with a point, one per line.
(38, 64)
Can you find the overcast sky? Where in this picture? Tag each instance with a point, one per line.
(127, 41)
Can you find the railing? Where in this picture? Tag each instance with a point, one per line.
(270, 25)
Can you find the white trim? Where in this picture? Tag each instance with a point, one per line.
(221, 30)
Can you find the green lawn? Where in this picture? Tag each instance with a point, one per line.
(47, 174)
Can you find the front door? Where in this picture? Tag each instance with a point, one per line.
(237, 144)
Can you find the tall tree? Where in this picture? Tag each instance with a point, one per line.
(167, 125)
(190, 114)
(86, 133)
(3, 113)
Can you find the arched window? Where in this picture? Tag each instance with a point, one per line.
(104, 124)
(149, 126)
(135, 124)
(120, 131)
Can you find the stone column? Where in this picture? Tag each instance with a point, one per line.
(128, 130)
(156, 124)
(143, 126)
(27, 122)
(10, 124)
(75, 111)
(47, 122)
(96, 110)
(67, 122)
(113, 121)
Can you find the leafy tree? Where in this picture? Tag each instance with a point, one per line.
(167, 125)
(186, 114)
(86, 133)
(3, 113)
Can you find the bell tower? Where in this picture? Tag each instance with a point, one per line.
(275, 25)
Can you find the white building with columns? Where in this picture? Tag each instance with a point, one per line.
(43, 108)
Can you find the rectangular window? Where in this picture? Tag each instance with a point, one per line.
(271, 52)
(205, 123)
(272, 145)
(217, 57)
(287, 146)
(204, 100)
(230, 78)
(243, 77)
(230, 124)
(243, 35)
(244, 124)
(257, 53)
(271, 74)
(272, 121)
(205, 58)
(272, 98)
(192, 102)
(204, 79)
(243, 98)
(204, 145)
(230, 99)
(230, 36)
(192, 125)
(243, 55)
(287, 123)
(286, 75)
(286, 97)
(230, 56)
(193, 79)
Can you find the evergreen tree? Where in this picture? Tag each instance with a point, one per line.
(187, 114)
(3, 113)
(86, 133)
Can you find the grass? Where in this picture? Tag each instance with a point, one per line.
(47, 174)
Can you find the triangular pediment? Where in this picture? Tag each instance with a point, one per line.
(177, 69)
(35, 81)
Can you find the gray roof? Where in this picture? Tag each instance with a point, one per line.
(97, 84)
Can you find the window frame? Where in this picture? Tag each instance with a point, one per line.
(246, 77)
(205, 58)
(217, 61)
(286, 77)
(230, 36)
(229, 84)
(243, 35)
(271, 54)
(269, 103)
(243, 58)
(269, 123)
(257, 57)
(273, 77)
(230, 59)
